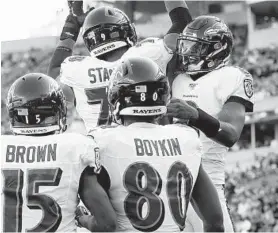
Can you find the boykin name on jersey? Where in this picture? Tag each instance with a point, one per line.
(31, 154)
(99, 74)
(165, 147)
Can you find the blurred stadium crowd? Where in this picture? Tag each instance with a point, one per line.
(252, 194)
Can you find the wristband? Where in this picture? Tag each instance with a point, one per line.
(206, 123)
(71, 29)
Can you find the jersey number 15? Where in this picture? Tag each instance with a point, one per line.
(13, 200)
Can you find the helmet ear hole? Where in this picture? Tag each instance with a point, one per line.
(110, 12)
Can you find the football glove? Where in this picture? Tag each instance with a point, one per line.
(182, 110)
(74, 20)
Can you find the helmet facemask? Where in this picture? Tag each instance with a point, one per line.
(34, 120)
(205, 45)
(36, 106)
(200, 56)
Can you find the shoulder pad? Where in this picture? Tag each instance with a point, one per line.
(245, 73)
(85, 72)
(150, 40)
(170, 42)
(154, 49)
(101, 127)
(76, 58)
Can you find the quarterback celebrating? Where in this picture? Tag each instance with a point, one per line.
(43, 171)
(150, 171)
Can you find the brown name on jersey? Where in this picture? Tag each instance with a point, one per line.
(165, 147)
(31, 154)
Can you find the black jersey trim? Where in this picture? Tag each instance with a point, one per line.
(249, 106)
(104, 180)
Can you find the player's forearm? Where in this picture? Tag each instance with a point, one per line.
(68, 37)
(179, 15)
(89, 222)
(227, 136)
(219, 131)
(214, 227)
(63, 50)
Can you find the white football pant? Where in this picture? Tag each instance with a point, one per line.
(195, 224)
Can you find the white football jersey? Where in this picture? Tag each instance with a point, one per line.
(40, 180)
(150, 171)
(89, 78)
(153, 48)
(210, 93)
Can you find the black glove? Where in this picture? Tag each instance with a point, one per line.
(74, 20)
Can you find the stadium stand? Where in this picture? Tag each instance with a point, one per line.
(252, 195)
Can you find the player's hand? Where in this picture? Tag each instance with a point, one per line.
(79, 213)
(76, 9)
(182, 110)
(74, 20)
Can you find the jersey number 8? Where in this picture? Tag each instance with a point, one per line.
(138, 195)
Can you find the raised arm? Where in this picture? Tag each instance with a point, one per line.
(206, 203)
(179, 15)
(68, 37)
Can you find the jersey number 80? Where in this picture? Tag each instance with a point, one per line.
(138, 195)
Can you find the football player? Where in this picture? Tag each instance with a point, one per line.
(150, 172)
(44, 171)
(107, 33)
(218, 95)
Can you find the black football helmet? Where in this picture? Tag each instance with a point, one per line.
(36, 105)
(139, 88)
(205, 44)
(106, 29)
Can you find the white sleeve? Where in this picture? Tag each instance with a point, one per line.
(152, 48)
(70, 72)
(237, 87)
(90, 155)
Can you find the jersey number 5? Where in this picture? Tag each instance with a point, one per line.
(99, 97)
(140, 194)
(13, 201)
